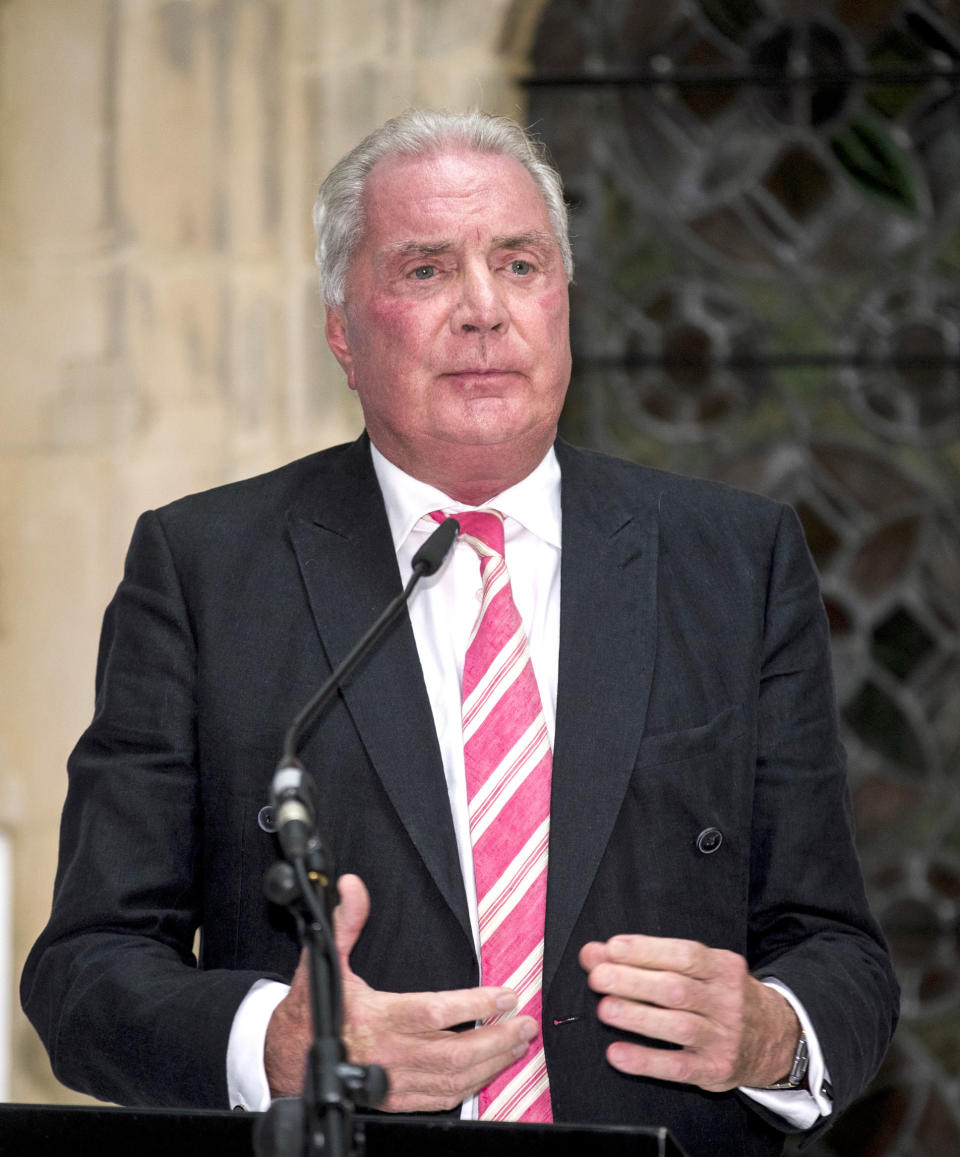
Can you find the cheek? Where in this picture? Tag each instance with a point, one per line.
(553, 321)
(555, 325)
(400, 326)
(550, 313)
(555, 306)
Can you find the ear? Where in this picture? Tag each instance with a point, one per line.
(339, 342)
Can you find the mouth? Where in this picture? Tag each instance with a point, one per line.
(485, 383)
(486, 373)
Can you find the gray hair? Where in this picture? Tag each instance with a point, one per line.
(338, 210)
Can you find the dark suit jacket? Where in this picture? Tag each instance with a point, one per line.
(694, 693)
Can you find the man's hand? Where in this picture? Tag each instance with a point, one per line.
(733, 1030)
(430, 1066)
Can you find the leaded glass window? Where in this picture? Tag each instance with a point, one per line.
(766, 223)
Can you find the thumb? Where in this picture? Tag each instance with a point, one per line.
(350, 915)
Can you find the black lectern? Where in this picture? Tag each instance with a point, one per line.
(51, 1131)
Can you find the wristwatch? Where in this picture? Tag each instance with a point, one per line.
(797, 1076)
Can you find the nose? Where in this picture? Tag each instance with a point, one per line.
(481, 307)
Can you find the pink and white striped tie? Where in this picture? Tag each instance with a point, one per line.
(508, 762)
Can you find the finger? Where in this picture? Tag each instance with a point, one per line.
(473, 1055)
(454, 1066)
(643, 1061)
(350, 914)
(687, 957)
(419, 1012)
(667, 989)
(688, 1029)
(592, 954)
(688, 1067)
(655, 952)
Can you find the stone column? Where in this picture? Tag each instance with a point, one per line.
(159, 323)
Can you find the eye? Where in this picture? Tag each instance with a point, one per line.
(424, 272)
(521, 267)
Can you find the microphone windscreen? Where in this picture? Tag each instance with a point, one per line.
(429, 557)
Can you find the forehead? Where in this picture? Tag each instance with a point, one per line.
(450, 196)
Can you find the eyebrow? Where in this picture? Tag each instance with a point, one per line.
(533, 239)
(421, 248)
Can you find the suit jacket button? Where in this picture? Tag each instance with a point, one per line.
(266, 820)
(709, 840)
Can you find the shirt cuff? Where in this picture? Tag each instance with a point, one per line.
(800, 1108)
(247, 1085)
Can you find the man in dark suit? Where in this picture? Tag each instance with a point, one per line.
(703, 892)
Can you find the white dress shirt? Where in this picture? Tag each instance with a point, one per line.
(442, 610)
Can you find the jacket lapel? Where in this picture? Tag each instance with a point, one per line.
(607, 647)
(343, 544)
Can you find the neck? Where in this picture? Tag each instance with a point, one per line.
(476, 473)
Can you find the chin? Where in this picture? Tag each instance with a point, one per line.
(495, 427)
(488, 437)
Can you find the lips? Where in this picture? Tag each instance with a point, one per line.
(486, 372)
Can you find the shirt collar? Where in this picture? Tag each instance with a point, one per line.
(534, 501)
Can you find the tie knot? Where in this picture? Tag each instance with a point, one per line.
(485, 527)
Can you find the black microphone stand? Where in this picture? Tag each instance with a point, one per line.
(321, 1125)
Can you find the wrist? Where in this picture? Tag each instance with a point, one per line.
(796, 1078)
(777, 1031)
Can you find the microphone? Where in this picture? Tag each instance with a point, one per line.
(322, 1121)
(291, 792)
(428, 558)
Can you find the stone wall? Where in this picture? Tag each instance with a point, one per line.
(159, 323)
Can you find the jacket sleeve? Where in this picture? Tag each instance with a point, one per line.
(112, 985)
(810, 924)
